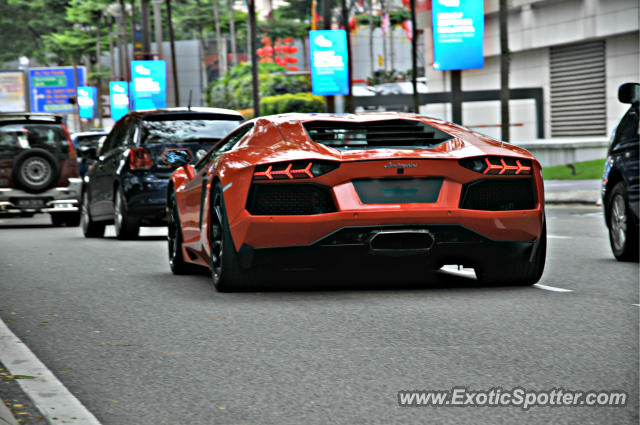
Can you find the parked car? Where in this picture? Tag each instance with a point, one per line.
(329, 192)
(38, 168)
(86, 144)
(127, 184)
(621, 179)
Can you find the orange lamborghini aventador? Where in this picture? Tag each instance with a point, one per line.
(319, 191)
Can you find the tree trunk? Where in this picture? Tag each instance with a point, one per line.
(504, 72)
(174, 65)
(371, 55)
(125, 45)
(253, 45)
(221, 59)
(232, 34)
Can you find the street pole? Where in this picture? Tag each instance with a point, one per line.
(504, 72)
(125, 42)
(232, 32)
(345, 21)
(157, 18)
(176, 91)
(145, 18)
(98, 69)
(253, 45)
(414, 58)
(456, 96)
(326, 15)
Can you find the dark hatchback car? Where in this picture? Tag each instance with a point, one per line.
(621, 179)
(127, 183)
(38, 169)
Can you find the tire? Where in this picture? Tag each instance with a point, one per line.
(35, 171)
(177, 264)
(623, 230)
(518, 272)
(69, 219)
(90, 228)
(126, 226)
(226, 272)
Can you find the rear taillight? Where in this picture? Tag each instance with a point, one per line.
(140, 159)
(293, 170)
(72, 151)
(495, 165)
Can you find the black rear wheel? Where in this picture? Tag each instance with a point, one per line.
(36, 171)
(520, 272)
(226, 272)
(623, 230)
(90, 228)
(126, 227)
(177, 264)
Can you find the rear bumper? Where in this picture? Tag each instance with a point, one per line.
(58, 199)
(351, 248)
(146, 195)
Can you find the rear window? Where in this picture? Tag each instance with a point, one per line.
(375, 134)
(28, 136)
(91, 140)
(172, 130)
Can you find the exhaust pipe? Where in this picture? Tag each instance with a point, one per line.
(401, 242)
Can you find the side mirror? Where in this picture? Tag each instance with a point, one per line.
(177, 157)
(629, 93)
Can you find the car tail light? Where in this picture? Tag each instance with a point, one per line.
(496, 165)
(140, 159)
(72, 151)
(293, 170)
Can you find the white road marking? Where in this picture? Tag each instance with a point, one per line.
(636, 305)
(51, 397)
(454, 270)
(558, 237)
(552, 288)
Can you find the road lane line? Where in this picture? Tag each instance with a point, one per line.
(636, 305)
(50, 395)
(558, 237)
(551, 288)
(462, 272)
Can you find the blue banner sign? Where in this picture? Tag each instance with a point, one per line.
(118, 99)
(149, 80)
(87, 97)
(458, 32)
(51, 88)
(329, 62)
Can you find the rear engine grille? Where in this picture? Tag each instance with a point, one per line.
(375, 134)
(498, 195)
(290, 199)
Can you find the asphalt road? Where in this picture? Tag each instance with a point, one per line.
(138, 345)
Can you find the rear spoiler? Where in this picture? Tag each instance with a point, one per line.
(13, 116)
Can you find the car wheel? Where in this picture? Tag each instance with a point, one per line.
(69, 219)
(177, 264)
(623, 231)
(226, 272)
(90, 228)
(126, 226)
(518, 272)
(36, 171)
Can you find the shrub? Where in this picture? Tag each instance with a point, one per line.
(234, 89)
(298, 102)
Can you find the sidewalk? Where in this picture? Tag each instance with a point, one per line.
(572, 191)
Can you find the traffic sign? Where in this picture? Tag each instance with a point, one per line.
(149, 80)
(51, 88)
(118, 99)
(87, 101)
(329, 62)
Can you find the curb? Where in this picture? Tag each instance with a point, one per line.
(590, 197)
(6, 417)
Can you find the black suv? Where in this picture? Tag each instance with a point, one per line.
(127, 183)
(620, 181)
(38, 168)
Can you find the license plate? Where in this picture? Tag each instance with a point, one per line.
(30, 203)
